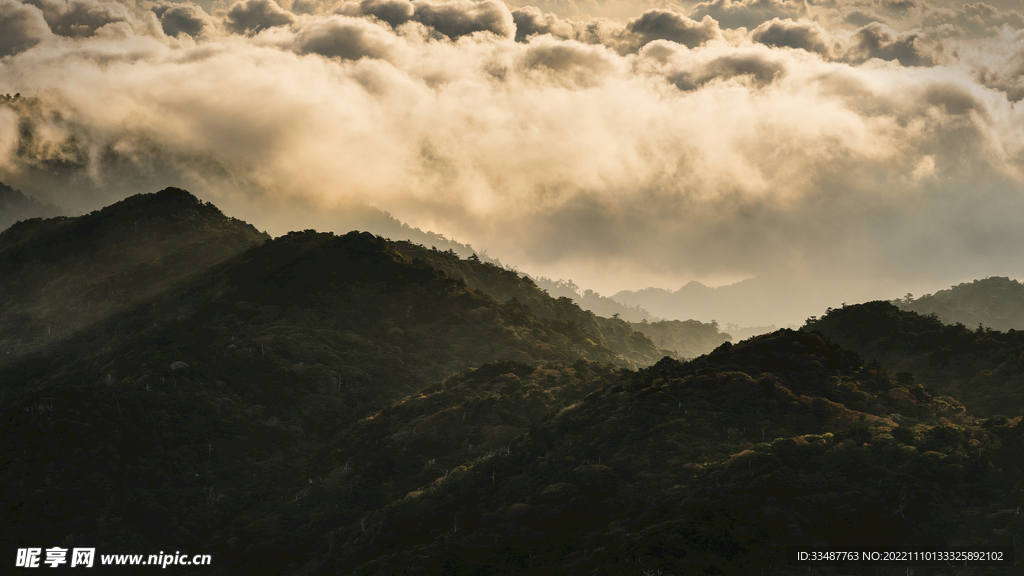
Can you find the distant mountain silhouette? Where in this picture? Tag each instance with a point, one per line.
(687, 338)
(590, 300)
(761, 301)
(15, 206)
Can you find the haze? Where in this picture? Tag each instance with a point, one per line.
(835, 151)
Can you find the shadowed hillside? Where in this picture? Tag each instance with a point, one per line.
(714, 466)
(63, 275)
(632, 345)
(324, 404)
(995, 302)
(984, 368)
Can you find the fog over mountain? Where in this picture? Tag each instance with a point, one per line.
(857, 149)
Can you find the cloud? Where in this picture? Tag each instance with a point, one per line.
(21, 27)
(464, 17)
(753, 67)
(877, 40)
(750, 13)
(304, 6)
(672, 26)
(802, 34)
(653, 149)
(975, 20)
(899, 6)
(252, 16)
(862, 17)
(531, 21)
(997, 63)
(452, 19)
(394, 12)
(569, 63)
(181, 18)
(343, 37)
(83, 18)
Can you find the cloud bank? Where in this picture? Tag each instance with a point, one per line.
(877, 145)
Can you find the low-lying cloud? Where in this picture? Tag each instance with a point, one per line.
(723, 141)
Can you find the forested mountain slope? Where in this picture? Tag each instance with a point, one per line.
(635, 348)
(711, 467)
(995, 302)
(323, 404)
(201, 369)
(62, 275)
(984, 368)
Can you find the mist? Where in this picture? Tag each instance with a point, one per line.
(835, 152)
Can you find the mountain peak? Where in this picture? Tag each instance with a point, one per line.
(168, 200)
(693, 285)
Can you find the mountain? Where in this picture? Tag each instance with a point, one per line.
(994, 302)
(63, 275)
(634, 348)
(219, 379)
(15, 206)
(983, 368)
(713, 466)
(687, 338)
(590, 300)
(742, 302)
(344, 404)
(777, 300)
(684, 339)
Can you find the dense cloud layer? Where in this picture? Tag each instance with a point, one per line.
(252, 16)
(21, 27)
(451, 19)
(803, 35)
(751, 13)
(837, 141)
(187, 19)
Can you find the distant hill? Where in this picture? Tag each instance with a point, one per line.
(687, 338)
(761, 301)
(15, 206)
(994, 302)
(590, 300)
(983, 368)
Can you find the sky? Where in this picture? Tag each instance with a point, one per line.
(858, 149)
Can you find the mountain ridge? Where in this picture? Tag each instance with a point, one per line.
(321, 404)
(996, 302)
